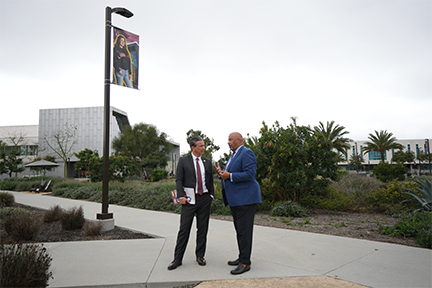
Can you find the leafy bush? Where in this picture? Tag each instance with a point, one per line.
(21, 225)
(24, 266)
(72, 219)
(289, 209)
(7, 211)
(60, 191)
(389, 200)
(336, 199)
(418, 225)
(8, 184)
(349, 193)
(158, 174)
(53, 214)
(388, 172)
(268, 193)
(425, 200)
(83, 192)
(6, 199)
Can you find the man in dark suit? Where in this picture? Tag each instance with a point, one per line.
(196, 172)
(242, 193)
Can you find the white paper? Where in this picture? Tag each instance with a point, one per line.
(190, 195)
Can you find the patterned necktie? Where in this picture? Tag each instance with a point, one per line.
(200, 186)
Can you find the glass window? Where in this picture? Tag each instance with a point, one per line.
(375, 155)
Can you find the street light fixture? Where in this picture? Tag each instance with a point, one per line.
(105, 178)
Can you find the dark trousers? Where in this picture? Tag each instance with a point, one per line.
(243, 223)
(202, 212)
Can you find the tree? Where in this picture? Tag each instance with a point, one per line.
(335, 135)
(387, 172)
(381, 142)
(3, 169)
(84, 157)
(120, 167)
(402, 157)
(145, 145)
(12, 163)
(295, 160)
(208, 142)
(62, 141)
(356, 161)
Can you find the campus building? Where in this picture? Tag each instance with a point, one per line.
(369, 160)
(31, 139)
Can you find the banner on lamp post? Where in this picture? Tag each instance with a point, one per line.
(125, 58)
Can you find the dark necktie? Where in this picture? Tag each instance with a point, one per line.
(200, 186)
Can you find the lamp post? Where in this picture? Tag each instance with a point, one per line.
(105, 178)
(357, 160)
(429, 155)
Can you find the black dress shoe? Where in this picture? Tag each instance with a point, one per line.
(174, 264)
(201, 261)
(241, 268)
(234, 263)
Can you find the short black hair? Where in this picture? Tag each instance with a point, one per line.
(193, 141)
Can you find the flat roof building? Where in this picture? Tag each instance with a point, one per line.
(53, 123)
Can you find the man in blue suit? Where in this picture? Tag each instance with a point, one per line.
(242, 193)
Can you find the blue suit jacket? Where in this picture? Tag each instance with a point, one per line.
(244, 189)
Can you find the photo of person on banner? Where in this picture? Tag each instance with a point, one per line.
(122, 62)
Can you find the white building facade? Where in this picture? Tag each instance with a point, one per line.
(368, 160)
(89, 134)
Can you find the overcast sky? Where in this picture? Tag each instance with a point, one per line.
(222, 66)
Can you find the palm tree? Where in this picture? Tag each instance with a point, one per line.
(335, 135)
(381, 142)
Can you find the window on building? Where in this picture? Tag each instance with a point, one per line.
(375, 155)
(417, 150)
(409, 148)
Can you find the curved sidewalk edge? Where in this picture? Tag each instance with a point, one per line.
(277, 254)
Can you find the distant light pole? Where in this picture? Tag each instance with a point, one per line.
(105, 178)
(357, 160)
(429, 155)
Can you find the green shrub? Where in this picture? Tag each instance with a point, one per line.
(388, 172)
(418, 225)
(7, 211)
(337, 200)
(389, 199)
(24, 266)
(21, 225)
(158, 174)
(268, 192)
(6, 199)
(422, 195)
(83, 192)
(289, 209)
(60, 191)
(8, 184)
(72, 219)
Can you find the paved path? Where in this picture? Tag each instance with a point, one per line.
(276, 253)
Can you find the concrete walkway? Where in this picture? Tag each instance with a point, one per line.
(276, 253)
